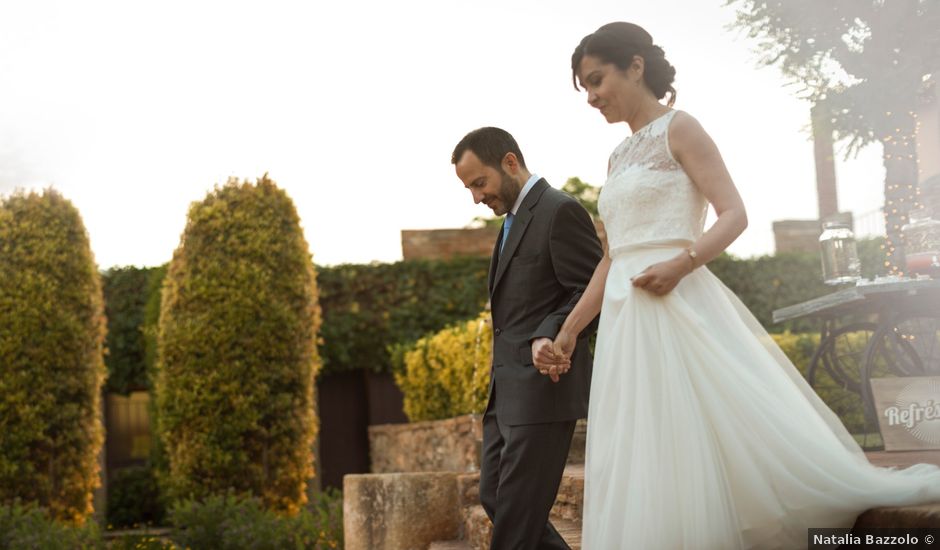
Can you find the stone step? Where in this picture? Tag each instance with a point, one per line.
(468, 489)
(570, 531)
(578, 440)
(450, 545)
(478, 530)
(569, 503)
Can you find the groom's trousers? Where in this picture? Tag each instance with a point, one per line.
(519, 477)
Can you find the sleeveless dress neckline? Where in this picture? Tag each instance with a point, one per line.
(651, 122)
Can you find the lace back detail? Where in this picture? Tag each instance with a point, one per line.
(648, 196)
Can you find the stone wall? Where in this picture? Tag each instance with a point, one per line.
(443, 244)
(451, 445)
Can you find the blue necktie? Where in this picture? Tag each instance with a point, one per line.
(506, 226)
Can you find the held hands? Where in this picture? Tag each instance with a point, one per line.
(547, 361)
(661, 278)
(564, 344)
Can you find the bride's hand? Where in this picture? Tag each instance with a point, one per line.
(564, 344)
(661, 278)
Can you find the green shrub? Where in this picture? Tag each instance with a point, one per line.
(237, 351)
(125, 300)
(134, 498)
(29, 527)
(235, 522)
(142, 541)
(800, 348)
(368, 309)
(447, 373)
(51, 344)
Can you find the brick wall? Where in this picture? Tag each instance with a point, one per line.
(443, 244)
(803, 235)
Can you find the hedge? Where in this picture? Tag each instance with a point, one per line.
(368, 309)
(125, 299)
(237, 357)
(52, 332)
(767, 283)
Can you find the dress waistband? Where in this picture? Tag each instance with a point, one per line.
(649, 245)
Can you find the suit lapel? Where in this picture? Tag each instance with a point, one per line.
(519, 225)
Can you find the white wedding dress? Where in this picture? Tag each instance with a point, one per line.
(701, 433)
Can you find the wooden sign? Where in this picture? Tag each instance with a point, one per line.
(908, 412)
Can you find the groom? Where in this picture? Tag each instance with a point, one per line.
(542, 261)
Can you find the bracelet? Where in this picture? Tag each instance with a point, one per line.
(692, 255)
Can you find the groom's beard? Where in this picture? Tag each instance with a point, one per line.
(507, 194)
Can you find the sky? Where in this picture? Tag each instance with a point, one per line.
(135, 110)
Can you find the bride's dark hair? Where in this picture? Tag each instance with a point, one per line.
(617, 43)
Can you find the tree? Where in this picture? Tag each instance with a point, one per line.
(865, 63)
(52, 331)
(236, 354)
(585, 193)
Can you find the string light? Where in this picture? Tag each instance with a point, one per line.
(901, 197)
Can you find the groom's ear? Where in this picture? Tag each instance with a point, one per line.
(510, 163)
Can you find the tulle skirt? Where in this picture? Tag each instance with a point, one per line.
(703, 435)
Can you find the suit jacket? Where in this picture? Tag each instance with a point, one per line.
(545, 266)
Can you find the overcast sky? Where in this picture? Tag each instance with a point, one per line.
(134, 110)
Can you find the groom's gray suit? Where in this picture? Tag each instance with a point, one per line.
(545, 265)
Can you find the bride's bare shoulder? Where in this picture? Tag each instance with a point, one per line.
(686, 134)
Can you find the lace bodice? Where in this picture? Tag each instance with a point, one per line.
(648, 196)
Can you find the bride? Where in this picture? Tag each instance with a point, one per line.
(701, 433)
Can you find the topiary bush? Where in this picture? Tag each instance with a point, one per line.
(52, 332)
(237, 351)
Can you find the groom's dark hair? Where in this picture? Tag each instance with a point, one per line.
(490, 145)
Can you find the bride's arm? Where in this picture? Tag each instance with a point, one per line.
(587, 308)
(695, 150)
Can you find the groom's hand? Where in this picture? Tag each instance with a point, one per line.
(545, 360)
